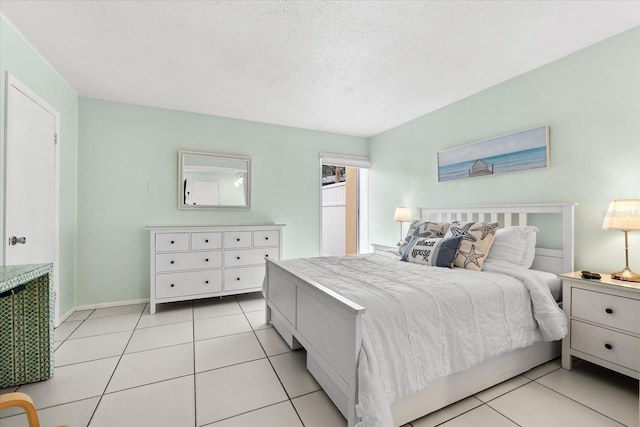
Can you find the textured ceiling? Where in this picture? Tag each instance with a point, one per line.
(354, 68)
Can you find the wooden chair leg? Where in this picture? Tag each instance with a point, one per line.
(23, 401)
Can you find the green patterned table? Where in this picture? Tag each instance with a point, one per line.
(26, 324)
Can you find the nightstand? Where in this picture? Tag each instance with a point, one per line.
(383, 248)
(604, 322)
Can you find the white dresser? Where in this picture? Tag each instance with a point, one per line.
(199, 262)
(604, 322)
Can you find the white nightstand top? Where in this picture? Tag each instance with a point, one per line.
(380, 247)
(605, 280)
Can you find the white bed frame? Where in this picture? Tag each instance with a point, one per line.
(327, 325)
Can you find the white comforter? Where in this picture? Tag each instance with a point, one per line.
(423, 323)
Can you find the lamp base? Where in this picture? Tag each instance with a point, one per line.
(627, 275)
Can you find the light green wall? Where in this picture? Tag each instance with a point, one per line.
(112, 152)
(590, 99)
(125, 147)
(20, 60)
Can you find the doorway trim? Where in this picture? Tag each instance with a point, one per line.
(12, 81)
(333, 159)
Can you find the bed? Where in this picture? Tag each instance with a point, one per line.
(329, 325)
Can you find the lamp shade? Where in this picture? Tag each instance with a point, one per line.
(623, 215)
(402, 214)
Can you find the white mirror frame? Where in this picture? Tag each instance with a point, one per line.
(246, 183)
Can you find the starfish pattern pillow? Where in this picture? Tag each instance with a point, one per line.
(477, 238)
(419, 228)
(437, 252)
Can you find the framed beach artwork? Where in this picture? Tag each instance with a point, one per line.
(528, 149)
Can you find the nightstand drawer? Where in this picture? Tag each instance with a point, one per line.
(204, 241)
(172, 242)
(180, 284)
(243, 278)
(614, 347)
(242, 257)
(266, 238)
(610, 310)
(188, 261)
(237, 239)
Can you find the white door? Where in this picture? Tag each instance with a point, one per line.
(30, 193)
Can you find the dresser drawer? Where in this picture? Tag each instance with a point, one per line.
(237, 239)
(188, 261)
(249, 256)
(606, 344)
(266, 238)
(172, 242)
(204, 241)
(192, 283)
(610, 310)
(243, 278)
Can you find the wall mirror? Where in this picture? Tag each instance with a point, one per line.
(213, 181)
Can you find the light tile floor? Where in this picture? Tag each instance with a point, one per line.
(215, 363)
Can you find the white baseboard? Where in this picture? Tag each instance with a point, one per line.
(110, 304)
(66, 315)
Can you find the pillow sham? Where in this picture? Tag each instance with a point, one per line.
(422, 250)
(515, 245)
(404, 243)
(477, 238)
(432, 229)
(419, 228)
(448, 251)
(436, 252)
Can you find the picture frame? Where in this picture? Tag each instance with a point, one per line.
(519, 151)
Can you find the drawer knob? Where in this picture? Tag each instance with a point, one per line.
(266, 256)
(238, 239)
(266, 238)
(206, 281)
(608, 310)
(608, 346)
(173, 286)
(206, 260)
(237, 257)
(173, 241)
(206, 240)
(237, 278)
(172, 262)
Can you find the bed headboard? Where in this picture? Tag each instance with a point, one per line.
(552, 260)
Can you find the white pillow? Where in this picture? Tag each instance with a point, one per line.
(516, 245)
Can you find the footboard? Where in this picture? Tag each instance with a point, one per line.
(326, 324)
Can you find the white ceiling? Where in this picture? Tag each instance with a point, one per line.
(353, 68)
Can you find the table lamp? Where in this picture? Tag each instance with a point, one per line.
(401, 215)
(624, 215)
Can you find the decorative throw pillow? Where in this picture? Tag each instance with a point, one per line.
(433, 229)
(448, 252)
(515, 245)
(419, 228)
(477, 238)
(404, 243)
(432, 251)
(422, 250)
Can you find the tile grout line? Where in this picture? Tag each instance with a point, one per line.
(93, 414)
(271, 364)
(54, 366)
(483, 403)
(193, 346)
(495, 410)
(580, 403)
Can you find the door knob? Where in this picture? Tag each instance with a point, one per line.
(13, 240)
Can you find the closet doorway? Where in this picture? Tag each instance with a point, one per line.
(31, 182)
(344, 203)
